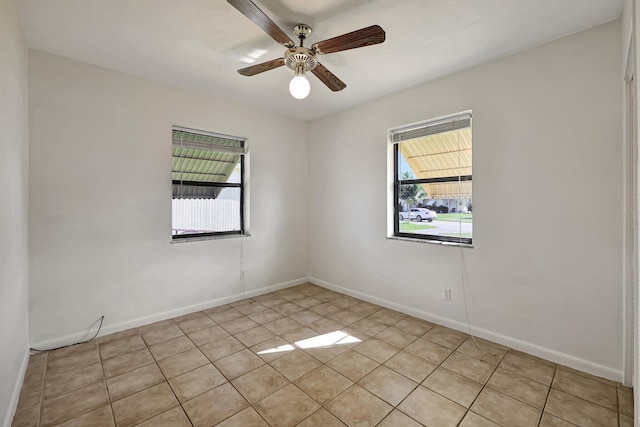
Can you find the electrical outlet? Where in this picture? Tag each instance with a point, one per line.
(446, 294)
(242, 274)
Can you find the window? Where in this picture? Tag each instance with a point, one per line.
(432, 191)
(207, 172)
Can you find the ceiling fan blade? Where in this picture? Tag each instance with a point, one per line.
(261, 68)
(328, 78)
(359, 38)
(251, 11)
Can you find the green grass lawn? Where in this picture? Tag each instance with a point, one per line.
(413, 226)
(455, 217)
(467, 235)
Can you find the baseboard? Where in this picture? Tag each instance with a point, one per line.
(13, 403)
(141, 321)
(533, 349)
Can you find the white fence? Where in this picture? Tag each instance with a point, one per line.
(205, 215)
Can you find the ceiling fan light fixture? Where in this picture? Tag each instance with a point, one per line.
(299, 86)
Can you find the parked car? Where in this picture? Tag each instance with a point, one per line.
(403, 216)
(419, 214)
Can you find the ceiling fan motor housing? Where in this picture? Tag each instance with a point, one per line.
(300, 59)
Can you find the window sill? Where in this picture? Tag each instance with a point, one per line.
(202, 238)
(431, 242)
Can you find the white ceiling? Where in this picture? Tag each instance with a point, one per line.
(199, 44)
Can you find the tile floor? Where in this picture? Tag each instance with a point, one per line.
(306, 356)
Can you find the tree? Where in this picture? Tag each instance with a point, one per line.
(411, 193)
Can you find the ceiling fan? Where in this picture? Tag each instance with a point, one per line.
(300, 58)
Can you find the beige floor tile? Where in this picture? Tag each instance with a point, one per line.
(30, 396)
(286, 407)
(282, 325)
(172, 418)
(539, 359)
(214, 406)
(505, 410)
(272, 349)
(57, 384)
(429, 408)
(68, 351)
(369, 326)
(305, 317)
(414, 326)
(121, 346)
(521, 388)
(127, 362)
(308, 302)
(299, 334)
(325, 308)
(222, 348)
(488, 352)
(216, 309)
(265, 316)
(396, 337)
(446, 337)
(183, 362)
(346, 317)
(273, 301)
(259, 383)
(170, 348)
(207, 335)
(134, 381)
(295, 364)
(35, 368)
(625, 400)
(26, 417)
(246, 418)
(73, 404)
(377, 350)
(238, 364)
(454, 387)
(474, 420)
(117, 335)
(398, 419)
(469, 367)
(194, 383)
(288, 308)
(196, 324)
(324, 325)
(155, 326)
(411, 366)
(101, 417)
(587, 389)
(251, 308)
(365, 308)
(388, 385)
(321, 418)
(323, 384)
(575, 371)
(254, 336)
(143, 405)
(188, 316)
(549, 420)
(528, 367)
(428, 350)
(73, 361)
(353, 365)
(238, 325)
(225, 316)
(162, 333)
(579, 411)
(387, 317)
(626, 421)
(345, 302)
(241, 302)
(325, 354)
(358, 407)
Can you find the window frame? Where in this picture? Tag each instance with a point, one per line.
(241, 185)
(397, 182)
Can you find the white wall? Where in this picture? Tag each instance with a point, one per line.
(545, 271)
(100, 195)
(14, 158)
